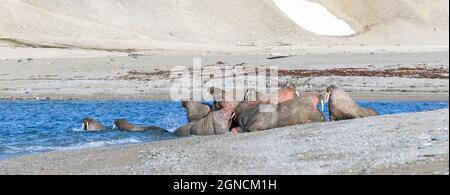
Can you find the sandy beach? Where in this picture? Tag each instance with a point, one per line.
(147, 76)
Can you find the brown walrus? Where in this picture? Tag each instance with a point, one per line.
(342, 107)
(124, 125)
(195, 110)
(90, 124)
(300, 110)
(283, 94)
(215, 122)
(246, 109)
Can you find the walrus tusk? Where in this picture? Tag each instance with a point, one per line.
(327, 97)
(298, 94)
(232, 116)
(246, 95)
(322, 104)
(82, 126)
(114, 127)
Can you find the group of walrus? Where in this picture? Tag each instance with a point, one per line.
(256, 112)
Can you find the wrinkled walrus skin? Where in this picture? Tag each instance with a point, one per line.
(246, 109)
(342, 107)
(215, 122)
(90, 124)
(288, 113)
(195, 110)
(285, 93)
(124, 125)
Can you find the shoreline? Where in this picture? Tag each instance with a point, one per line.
(410, 143)
(359, 96)
(120, 77)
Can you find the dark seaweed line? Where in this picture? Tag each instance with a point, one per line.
(344, 72)
(403, 73)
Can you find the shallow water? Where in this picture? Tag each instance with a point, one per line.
(39, 126)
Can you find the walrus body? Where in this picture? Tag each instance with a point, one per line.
(124, 125)
(195, 110)
(285, 93)
(90, 124)
(215, 122)
(342, 107)
(247, 108)
(300, 110)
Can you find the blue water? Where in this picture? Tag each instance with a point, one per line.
(40, 126)
(392, 107)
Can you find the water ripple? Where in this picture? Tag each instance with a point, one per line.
(40, 126)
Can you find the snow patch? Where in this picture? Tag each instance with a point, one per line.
(314, 17)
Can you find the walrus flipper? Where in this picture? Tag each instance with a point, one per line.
(184, 130)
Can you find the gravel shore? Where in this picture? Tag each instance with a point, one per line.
(415, 143)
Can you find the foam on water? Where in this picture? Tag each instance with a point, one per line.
(16, 149)
(41, 126)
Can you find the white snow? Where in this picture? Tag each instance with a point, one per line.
(314, 17)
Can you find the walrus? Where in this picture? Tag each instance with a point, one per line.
(215, 122)
(90, 124)
(124, 125)
(342, 107)
(195, 110)
(246, 108)
(283, 94)
(300, 110)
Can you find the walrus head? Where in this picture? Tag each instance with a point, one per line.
(90, 124)
(223, 100)
(330, 90)
(292, 87)
(217, 94)
(322, 102)
(85, 124)
(251, 95)
(122, 125)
